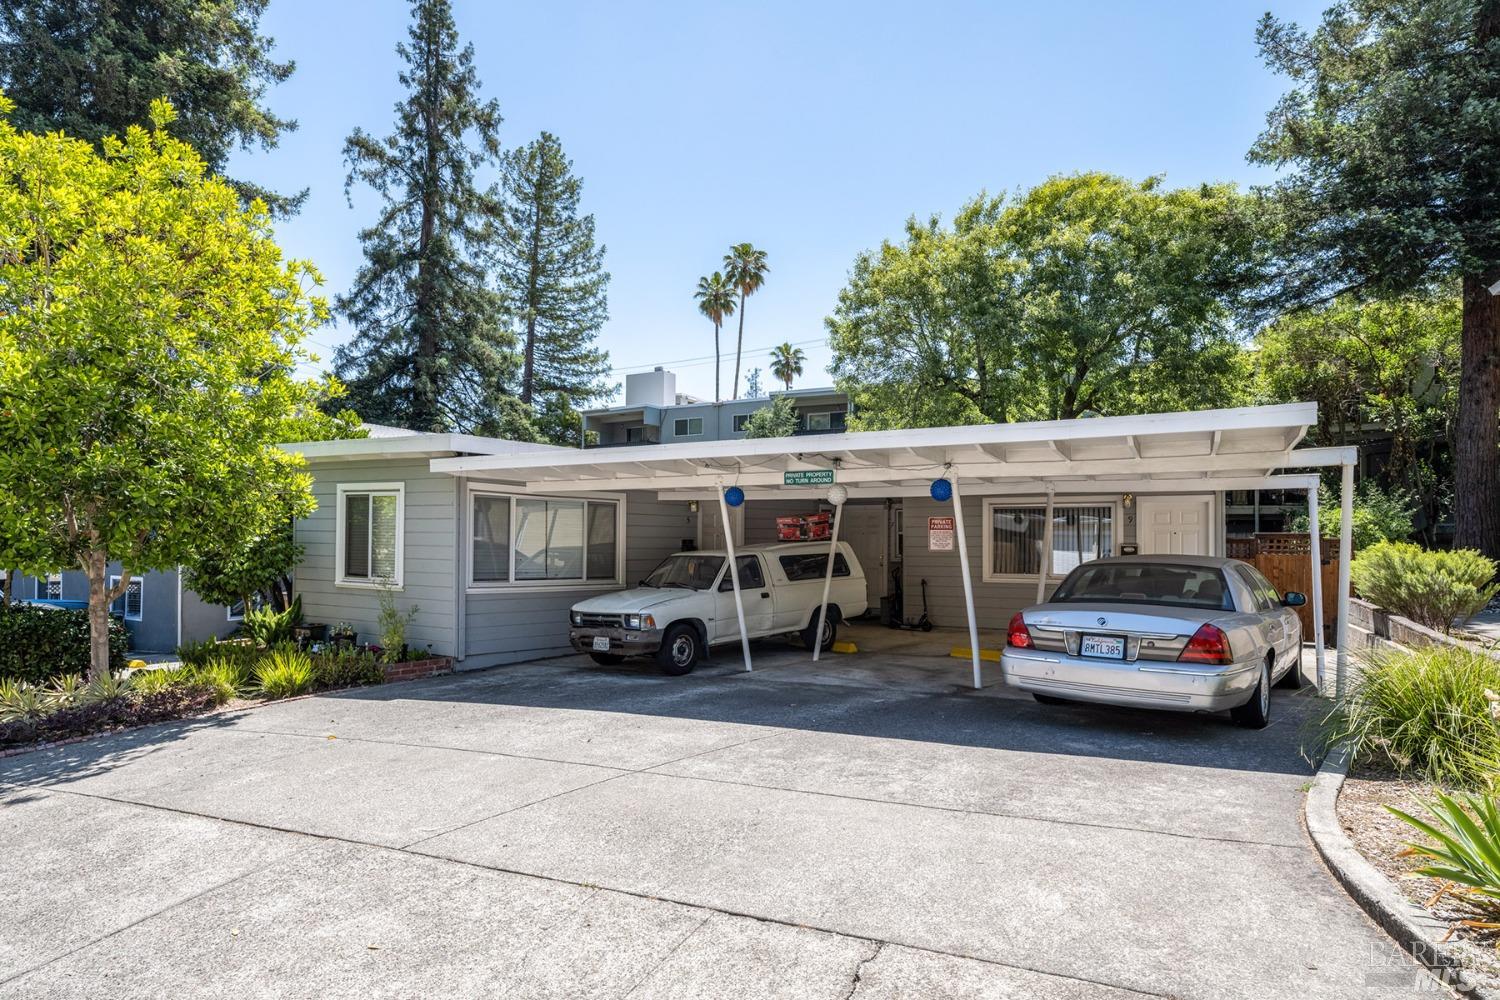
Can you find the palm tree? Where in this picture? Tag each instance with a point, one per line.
(715, 298)
(786, 363)
(746, 269)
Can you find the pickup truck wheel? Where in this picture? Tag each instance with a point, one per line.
(679, 652)
(607, 659)
(830, 632)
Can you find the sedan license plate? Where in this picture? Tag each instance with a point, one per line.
(1109, 647)
(601, 643)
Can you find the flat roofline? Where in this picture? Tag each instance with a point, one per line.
(1291, 418)
(417, 446)
(627, 407)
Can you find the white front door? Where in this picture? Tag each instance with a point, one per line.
(1179, 526)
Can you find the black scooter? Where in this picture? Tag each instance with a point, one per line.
(922, 624)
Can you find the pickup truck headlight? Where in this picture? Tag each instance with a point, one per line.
(637, 622)
(577, 617)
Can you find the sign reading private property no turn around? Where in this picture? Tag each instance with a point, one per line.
(808, 477)
(940, 534)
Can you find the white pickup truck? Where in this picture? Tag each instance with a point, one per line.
(686, 605)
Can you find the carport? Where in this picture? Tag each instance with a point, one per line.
(1206, 451)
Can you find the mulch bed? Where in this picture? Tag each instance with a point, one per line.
(1381, 837)
(125, 712)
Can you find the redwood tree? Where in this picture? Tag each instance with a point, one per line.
(1393, 120)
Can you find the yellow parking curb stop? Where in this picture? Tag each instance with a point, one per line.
(844, 647)
(962, 653)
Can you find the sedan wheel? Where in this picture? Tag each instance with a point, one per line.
(1256, 713)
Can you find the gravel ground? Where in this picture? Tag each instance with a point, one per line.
(1381, 838)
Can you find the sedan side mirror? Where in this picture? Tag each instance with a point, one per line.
(1292, 599)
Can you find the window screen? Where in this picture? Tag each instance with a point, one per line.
(552, 539)
(129, 603)
(1079, 534)
(491, 538)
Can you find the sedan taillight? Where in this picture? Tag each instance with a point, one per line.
(1208, 645)
(1018, 635)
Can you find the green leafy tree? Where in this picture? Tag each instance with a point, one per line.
(1393, 118)
(715, 297)
(1086, 294)
(149, 331)
(433, 351)
(778, 420)
(1379, 515)
(91, 68)
(753, 388)
(552, 276)
(1393, 364)
(786, 363)
(745, 267)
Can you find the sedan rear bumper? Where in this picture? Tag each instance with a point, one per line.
(1185, 687)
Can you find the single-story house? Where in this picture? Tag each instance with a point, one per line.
(159, 610)
(490, 542)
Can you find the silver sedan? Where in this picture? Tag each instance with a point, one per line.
(1191, 633)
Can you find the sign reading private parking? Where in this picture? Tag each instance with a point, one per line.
(808, 477)
(940, 534)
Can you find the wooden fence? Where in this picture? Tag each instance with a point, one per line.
(1285, 558)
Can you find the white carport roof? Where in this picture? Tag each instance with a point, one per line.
(1241, 448)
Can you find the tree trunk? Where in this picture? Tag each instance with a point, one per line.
(1476, 452)
(425, 308)
(96, 567)
(739, 348)
(717, 397)
(533, 297)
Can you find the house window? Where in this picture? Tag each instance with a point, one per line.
(740, 420)
(635, 435)
(129, 603)
(236, 611)
(533, 540)
(820, 421)
(1080, 533)
(688, 426)
(370, 535)
(49, 588)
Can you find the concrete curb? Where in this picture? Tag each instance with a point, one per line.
(1413, 928)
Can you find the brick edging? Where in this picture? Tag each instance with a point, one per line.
(410, 670)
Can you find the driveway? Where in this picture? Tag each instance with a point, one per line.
(563, 830)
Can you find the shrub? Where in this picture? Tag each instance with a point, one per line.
(20, 703)
(1467, 851)
(393, 623)
(226, 678)
(283, 673)
(159, 679)
(39, 642)
(269, 627)
(1378, 516)
(1431, 588)
(342, 668)
(1431, 711)
(65, 692)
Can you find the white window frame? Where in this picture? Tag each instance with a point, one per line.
(688, 423)
(513, 586)
(372, 583)
(44, 584)
(141, 610)
(990, 503)
(807, 420)
(229, 614)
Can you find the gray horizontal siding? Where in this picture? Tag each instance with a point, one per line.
(429, 567)
(510, 627)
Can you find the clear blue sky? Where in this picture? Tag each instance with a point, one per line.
(810, 129)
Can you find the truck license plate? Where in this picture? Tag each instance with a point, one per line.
(601, 643)
(1109, 647)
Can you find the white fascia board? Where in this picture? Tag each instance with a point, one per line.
(1033, 487)
(1287, 416)
(417, 445)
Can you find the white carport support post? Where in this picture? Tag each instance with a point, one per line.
(1046, 560)
(963, 563)
(833, 547)
(1346, 553)
(1315, 540)
(734, 576)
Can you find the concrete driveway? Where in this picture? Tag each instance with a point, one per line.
(562, 830)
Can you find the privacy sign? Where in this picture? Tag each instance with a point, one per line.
(808, 477)
(940, 534)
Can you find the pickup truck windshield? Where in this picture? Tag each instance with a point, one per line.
(687, 571)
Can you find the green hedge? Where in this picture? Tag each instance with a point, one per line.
(39, 642)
